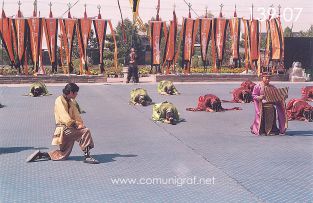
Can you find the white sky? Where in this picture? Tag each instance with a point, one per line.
(147, 9)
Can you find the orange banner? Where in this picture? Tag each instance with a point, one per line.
(276, 39)
(254, 40)
(205, 35)
(100, 29)
(35, 27)
(171, 42)
(220, 36)
(234, 24)
(5, 34)
(20, 32)
(156, 35)
(83, 31)
(188, 39)
(51, 32)
(68, 31)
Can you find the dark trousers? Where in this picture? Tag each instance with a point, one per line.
(133, 72)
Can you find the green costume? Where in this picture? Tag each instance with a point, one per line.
(159, 111)
(38, 89)
(167, 87)
(135, 95)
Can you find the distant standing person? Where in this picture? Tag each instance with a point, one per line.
(69, 128)
(132, 68)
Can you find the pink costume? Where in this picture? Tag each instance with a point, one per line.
(260, 116)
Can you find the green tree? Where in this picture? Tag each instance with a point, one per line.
(288, 32)
(132, 40)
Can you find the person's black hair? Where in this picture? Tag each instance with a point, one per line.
(217, 106)
(246, 97)
(37, 91)
(70, 87)
(308, 115)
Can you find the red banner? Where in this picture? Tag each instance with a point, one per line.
(205, 34)
(188, 38)
(254, 39)
(100, 29)
(220, 36)
(68, 31)
(155, 41)
(83, 31)
(171, 42)
(51, 32)
(20, 37)
(35, 27)
(5, 34)
(276, 39)
(234, 24)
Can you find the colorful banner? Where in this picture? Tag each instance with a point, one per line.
(100, 27)
(254, 32)
(83, 31)
(188, 32)
(205, 35)
(155, 41)
(21, 32)
(51, 33)
(35, 27)
(276, 41)
(68, 27)
(5, 34)
(220, 26)
(234, 24)
(170, 43)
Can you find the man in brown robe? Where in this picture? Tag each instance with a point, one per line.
(69, 128)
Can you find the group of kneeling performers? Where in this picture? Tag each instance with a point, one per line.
(70, 126)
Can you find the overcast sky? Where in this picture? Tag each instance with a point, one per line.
(298, 12)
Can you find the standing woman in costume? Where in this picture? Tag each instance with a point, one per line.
(266, 112)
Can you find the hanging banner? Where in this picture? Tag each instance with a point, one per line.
(35, 28)
(188, 32)
(254, 39)
(21, 32)
(5, 34)
(100, 27)
(234, 24)
(275, 39)
(281, 30)
(68, 27)
(220, 26)
(247, 43)
(267, 55)
(155, 41)
(51, 33)
(83, 31)
(205, 35)
(170, 43)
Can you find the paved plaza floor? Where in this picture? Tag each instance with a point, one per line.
(211, 157)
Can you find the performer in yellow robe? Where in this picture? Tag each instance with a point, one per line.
(166, 87)
(69, 128)
(38, 89)
(165, 112)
